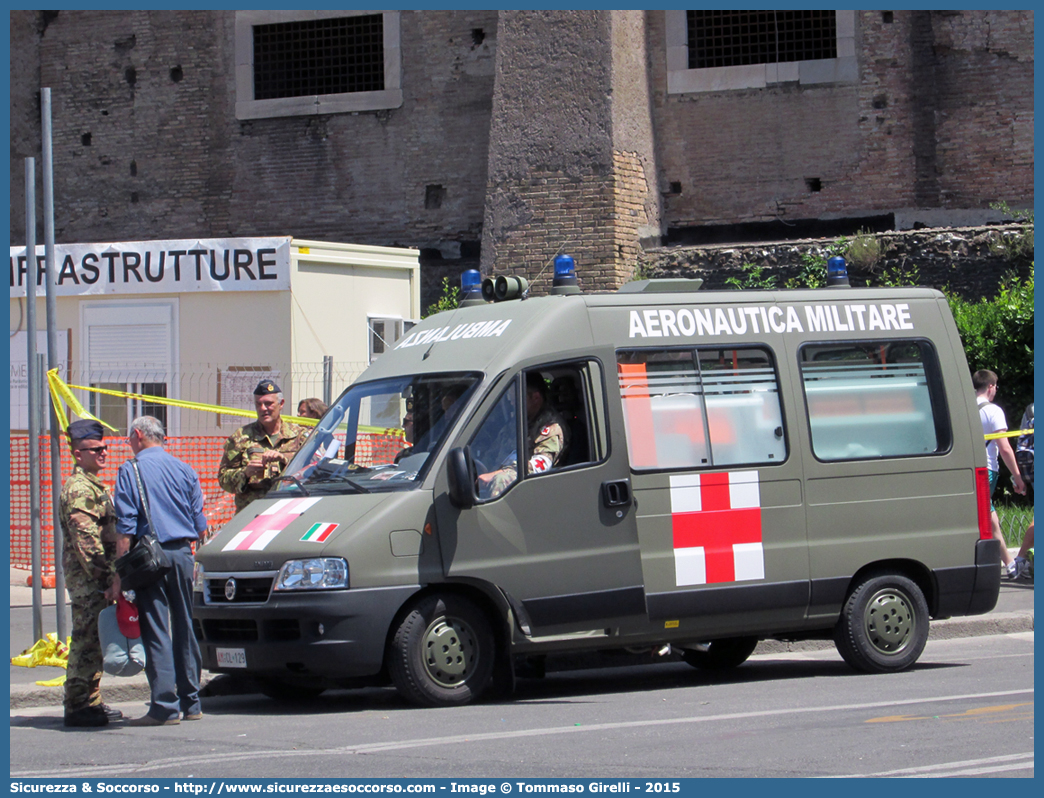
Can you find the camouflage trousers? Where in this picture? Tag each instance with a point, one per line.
(84, 672)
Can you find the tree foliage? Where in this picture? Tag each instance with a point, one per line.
(997, 334)
(449, 298)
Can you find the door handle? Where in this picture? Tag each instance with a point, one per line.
(617, 493)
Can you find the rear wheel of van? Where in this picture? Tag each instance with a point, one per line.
(721, 655)
(442, 653)
(883, 626)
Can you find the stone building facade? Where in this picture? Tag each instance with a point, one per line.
(503, 137)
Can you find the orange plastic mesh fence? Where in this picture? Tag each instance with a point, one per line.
(203, 453)
(375, 449)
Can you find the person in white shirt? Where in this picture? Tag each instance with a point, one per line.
(985, 383)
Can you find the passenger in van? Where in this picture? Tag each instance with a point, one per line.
(450, 403)
(407, 428)
(547, 439)
(985, 383)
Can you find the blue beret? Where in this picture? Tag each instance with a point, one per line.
(266, 387)
(85, 430)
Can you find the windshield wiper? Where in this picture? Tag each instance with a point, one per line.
(296, 481)
(338, 478)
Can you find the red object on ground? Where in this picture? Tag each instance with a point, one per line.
(46, 581)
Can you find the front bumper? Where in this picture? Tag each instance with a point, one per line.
(282, 635)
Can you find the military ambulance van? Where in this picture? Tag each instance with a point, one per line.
(737, 466)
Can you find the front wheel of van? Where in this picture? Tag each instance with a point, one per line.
(442, 653)
(721, 655)
(883, 626)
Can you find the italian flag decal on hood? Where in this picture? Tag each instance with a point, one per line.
(318, 533)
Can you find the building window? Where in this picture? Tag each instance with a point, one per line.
(293, 63)
(319, 56)
(383, 333)
(734, 38)
(729, 50)
(130, 346)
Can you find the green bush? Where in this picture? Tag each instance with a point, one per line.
(864, 251)
(997, 334)
(811, 274)
(753, 276)
(449, 298)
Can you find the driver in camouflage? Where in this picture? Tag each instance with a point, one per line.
(255, 455)
(88, 555)
(547, 437)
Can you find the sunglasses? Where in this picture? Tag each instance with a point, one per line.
(93, 449)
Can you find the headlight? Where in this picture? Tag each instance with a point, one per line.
(199, 578)
(322, 573)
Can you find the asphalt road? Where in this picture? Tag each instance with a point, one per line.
(966, 709)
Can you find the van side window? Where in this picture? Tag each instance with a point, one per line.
(557, 436)
(874, 399)
(706, 407)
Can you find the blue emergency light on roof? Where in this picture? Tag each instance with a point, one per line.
(564, 281)
(837, 272)
(471, 288)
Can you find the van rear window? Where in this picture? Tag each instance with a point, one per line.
(695, 408)
(874, 399)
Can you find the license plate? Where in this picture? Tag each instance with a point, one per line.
(231, 658)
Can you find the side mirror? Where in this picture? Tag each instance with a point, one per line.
(461, 474)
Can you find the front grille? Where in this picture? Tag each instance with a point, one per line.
(227, 630)
(249, 590)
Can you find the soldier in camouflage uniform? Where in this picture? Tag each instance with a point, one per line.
(546, 440)
(255, 455)
(89, 534)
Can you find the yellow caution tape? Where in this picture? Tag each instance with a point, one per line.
(48, 652)
(61, 391)
(1008, 434)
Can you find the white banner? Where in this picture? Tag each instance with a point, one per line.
(165, 267)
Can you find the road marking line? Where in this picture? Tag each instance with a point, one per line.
(993, 765)
(400, 745)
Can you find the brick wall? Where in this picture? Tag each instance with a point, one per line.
(941, 118)
(146, 143)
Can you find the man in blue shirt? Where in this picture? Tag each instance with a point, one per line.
(175, 503)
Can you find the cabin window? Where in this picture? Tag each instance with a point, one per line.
(701, 408)
(874, 399)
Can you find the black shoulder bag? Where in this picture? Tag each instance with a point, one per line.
(146, 563)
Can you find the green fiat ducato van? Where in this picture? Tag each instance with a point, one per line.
(706, 470)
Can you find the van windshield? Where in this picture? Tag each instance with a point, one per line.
(379, 436)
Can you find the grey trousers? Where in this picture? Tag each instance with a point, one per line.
(172, 659)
